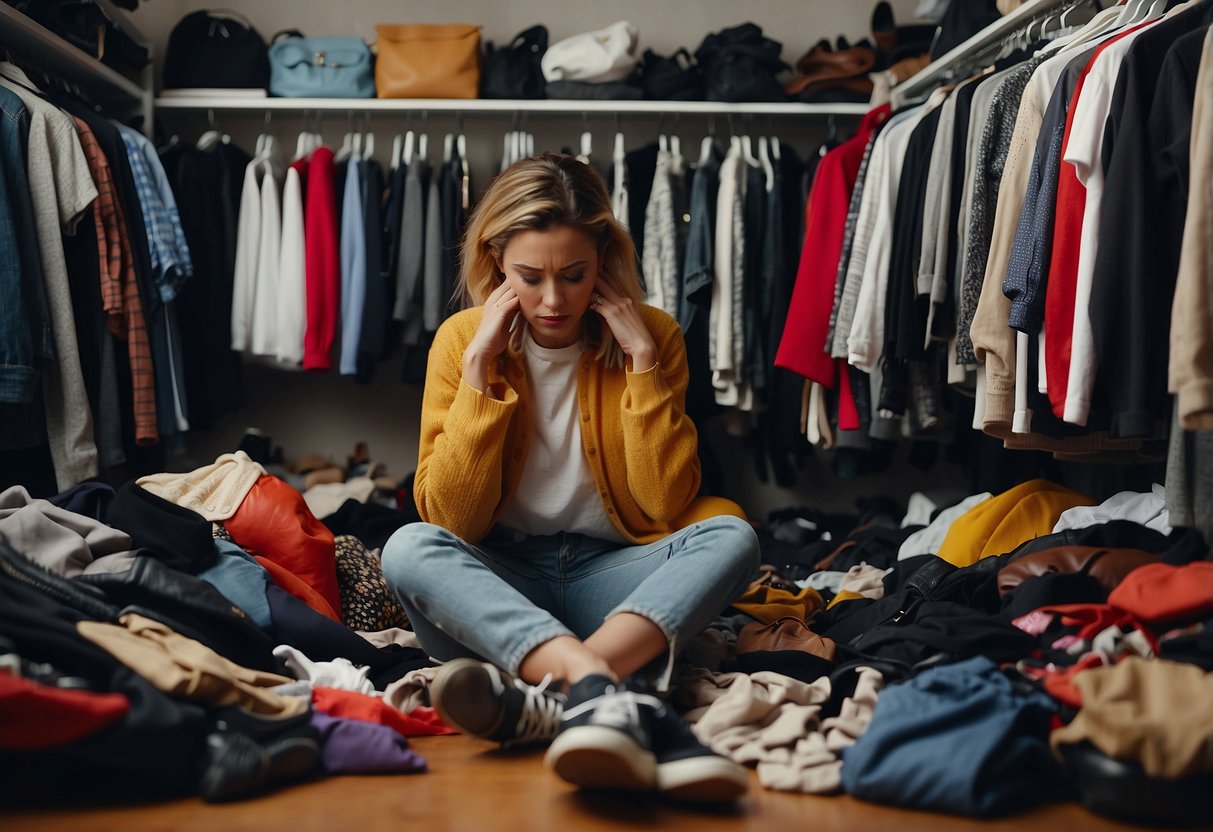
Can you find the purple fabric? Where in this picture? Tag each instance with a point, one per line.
(351, 746)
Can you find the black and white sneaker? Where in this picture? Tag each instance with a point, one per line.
(477, 698)
(687, 770)
(604, 739)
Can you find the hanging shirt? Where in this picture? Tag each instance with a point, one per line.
(61, 188)
(353, 266)
(248, 248)
(292, 269)
(323, 262)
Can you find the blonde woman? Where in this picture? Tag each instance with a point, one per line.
(564, 546)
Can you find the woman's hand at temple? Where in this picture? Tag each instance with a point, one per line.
(623, 317)
(492, 337)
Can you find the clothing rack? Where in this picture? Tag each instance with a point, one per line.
(976, 49)
(49, 55)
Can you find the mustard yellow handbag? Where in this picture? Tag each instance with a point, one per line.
(427, 60)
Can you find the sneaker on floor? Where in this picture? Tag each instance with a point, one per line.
(477, 698)
(604, 740)
(687, 770)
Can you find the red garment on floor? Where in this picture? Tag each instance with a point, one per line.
(323, 262)
(348, 704)
(274, 522)
(1161, 594)
(34, 715)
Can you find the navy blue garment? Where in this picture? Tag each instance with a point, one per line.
(959, 738)
(91, 499)
(1027, 273)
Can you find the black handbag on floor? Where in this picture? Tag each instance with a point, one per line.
(216, 49)
(513, 71)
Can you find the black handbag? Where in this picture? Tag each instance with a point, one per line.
(676, 78)
(740, 64)
(88, 26)
(216, 49)
(513, 71)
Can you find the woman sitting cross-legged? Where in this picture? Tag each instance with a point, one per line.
(565, 547)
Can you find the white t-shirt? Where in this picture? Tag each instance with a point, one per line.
(557, 491)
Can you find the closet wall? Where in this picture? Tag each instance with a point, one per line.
(327, 413)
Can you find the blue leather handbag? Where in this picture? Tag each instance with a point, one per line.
(334, 67)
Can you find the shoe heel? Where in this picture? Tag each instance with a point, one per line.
(595, 757)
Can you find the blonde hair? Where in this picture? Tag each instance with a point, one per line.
(538, 193)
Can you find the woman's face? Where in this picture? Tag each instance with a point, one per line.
(553, 273)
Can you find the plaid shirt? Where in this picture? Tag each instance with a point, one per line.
(119, 290)
(166, 239)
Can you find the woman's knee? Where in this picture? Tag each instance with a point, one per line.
(735, 542)
(407, 549)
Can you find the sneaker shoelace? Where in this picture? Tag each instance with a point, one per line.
(617, 708)
(541, 712)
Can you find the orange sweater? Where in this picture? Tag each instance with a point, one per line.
(639, 443)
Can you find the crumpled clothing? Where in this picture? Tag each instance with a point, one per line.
(215, 491)
(350, 746)
(411, 691)
(56, 539)
(1156, 713)
(188, 669)
(773, 722)
(325, 498)
(338, 673)
(864, 580)
(419, 722)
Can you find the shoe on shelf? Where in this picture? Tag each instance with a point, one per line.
(689, 771)
(604, 738)
(478, 699)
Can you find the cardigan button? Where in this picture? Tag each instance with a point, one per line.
(585, 416)
(592, 451)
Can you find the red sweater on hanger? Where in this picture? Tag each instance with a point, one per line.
(322, 261)
(803, 346)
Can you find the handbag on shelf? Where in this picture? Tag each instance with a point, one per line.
(329, 67)
(673, 78)
(515, 71)
(427, 60)
(215, 49)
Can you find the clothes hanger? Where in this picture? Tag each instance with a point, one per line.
(397, 148)
(368, 138)
(214, 135)
(587, 143)
(406, 157)
(465, 177)
(764, 157)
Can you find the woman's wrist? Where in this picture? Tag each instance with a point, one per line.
(643, 360)
(475, 371)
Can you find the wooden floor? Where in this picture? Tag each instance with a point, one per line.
(471, 785)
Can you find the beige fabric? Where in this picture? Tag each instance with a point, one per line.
(215, 491)
(394, 635)
(773, 722)
(187, 669)
(865, 580)
(1191, 362)
(1150, 711)
(324, 499)
(410, 691)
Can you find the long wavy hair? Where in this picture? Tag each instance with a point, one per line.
(538, 193)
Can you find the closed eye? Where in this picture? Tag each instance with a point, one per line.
(575, 278)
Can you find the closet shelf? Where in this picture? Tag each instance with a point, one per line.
(482, 105)
(942, 69)
(49, 52)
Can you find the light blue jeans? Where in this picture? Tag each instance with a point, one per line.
(499, 599)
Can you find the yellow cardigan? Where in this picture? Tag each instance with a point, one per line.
(640, 445)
